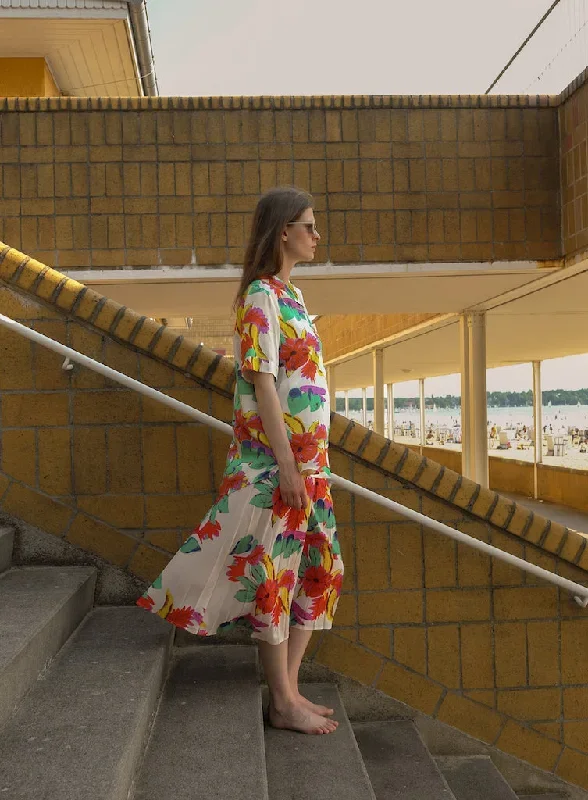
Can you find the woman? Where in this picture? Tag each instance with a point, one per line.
(266, 556)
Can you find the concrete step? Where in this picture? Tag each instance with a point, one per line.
(550, 796)
(81, 731)
(40, 607)
(207, 740)
(474, 778)
(305, 767)
(399, 765)
(6, 545)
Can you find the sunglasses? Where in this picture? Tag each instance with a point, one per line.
(310, 227)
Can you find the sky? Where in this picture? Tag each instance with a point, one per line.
(252, 47)
(280, 47)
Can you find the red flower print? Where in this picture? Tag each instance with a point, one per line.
(240, 427)
(267, 596)
(276, 286)
(293, 354)
(182, 617)
(318, 540)
(231, 482)
(255, 316)
(304, 446)
(316, 581)
(237, 568)
(294, 516)
(309, 370)
(246, 345)
(319, 605)
(210, 530)
(146, 602)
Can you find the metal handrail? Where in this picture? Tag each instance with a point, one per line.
(580, 592)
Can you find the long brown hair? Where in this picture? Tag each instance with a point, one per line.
(275, 209)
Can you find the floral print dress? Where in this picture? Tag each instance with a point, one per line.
(254, 562)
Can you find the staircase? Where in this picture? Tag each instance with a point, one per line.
(96, 703)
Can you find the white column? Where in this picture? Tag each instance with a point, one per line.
(537, 425)
(390, 403)
(466, 459)
(422, 412)
(347, 403)
(479, 411)
(378, 370)
(331, 383)
(364, 407)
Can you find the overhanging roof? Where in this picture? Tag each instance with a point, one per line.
(94, 48)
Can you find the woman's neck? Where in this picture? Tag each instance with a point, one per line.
(284, 273)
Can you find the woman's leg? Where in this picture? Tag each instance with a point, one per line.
(285, 711)
(297, 644)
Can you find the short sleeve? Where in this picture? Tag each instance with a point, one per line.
(258, 330)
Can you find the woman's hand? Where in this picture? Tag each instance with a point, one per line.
(292, 488)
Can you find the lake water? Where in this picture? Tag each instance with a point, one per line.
(559, 417)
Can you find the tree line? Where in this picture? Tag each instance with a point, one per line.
(557, 397)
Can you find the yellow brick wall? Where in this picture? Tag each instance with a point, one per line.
(467, 640)
(172, 181)
(342, 333)
(573, 116)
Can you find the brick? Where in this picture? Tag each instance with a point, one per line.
(575, 703)
(19, 454)
(164, 511)
(406, 555)
(530, 704)
(89, 460)
(101, 539)
(36, 509)
(39, 409)
(414, 690)
(477, 659)
(529, 745)
(440, 561)
(348, 658)
(410, 648)
(543, 643)
(443, 661)
(124, 455)
(573, 767)
(387, 607)
(55, 461)
(159, 459)
(106, 407)
(470, 717)
(526, 603)
(574, 650)
(510, 654)
(372, 562)
(455, 605)
(147, 563)
(16, 361)
(120, 511)
(377, 639)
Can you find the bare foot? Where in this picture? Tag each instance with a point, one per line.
(296, 718)
(324, 711)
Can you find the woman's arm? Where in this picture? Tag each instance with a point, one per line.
(292, 486)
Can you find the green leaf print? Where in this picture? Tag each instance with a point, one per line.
(335, 545)
(297, 401)
(256, 459)
(258, 574)
(261, 500)
(291, 545)
(315, 556)
(245, 596)
(157, 583)
(244, 545)
(191, 545)
(222, 507)
(248, 584)
(244, 387)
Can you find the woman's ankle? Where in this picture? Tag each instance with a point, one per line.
(283, 701)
